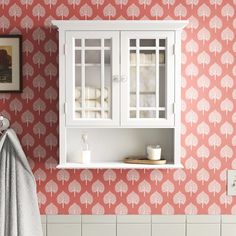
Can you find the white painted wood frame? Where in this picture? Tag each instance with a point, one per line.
(126, 121)
(70, 86)
(118, 32)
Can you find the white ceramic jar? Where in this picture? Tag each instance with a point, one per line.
(154, 152)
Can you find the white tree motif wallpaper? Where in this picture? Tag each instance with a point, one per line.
(208, 110)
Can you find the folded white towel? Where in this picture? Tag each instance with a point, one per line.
(147, 100)
(90, 93)
(90, 104)
(148, 58)
(147, 79)
(144, 58)
(91, 114)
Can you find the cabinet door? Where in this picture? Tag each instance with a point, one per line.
(92, 78)
(147, 78)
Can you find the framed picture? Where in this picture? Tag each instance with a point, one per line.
(10, 63)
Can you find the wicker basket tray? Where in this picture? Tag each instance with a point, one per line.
(143, 160)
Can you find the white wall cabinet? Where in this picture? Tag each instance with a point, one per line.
(119, 74)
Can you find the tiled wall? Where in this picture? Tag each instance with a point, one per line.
(208, 110)
(137, 225)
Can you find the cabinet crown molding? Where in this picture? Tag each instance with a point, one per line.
(90, 25)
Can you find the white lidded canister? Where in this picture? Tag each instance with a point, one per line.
(154, 152)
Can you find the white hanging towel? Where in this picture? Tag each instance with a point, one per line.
(19, 212)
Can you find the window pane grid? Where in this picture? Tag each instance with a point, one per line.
(137, 78)
(147, 108)
(92, 92)
(92, 109)
(92, 48)
(154, 52)
(147, 48)
(102, 76)
(157, 76)
(83, 75)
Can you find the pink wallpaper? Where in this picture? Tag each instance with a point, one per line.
(208, 110)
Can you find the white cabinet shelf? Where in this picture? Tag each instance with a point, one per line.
(116, 165)
(119, 74)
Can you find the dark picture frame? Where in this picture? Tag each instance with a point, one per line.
(10, 63)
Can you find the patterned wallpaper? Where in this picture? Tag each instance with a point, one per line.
(208, 110)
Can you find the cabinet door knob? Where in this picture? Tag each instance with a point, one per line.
(116, 78)
(123, 78)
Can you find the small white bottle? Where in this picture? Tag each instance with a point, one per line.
(85, 153)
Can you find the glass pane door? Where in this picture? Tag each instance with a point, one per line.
(147, 78)
(147, 70)
(92, 67)
(92, 79)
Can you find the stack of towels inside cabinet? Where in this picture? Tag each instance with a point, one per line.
(91, 103)
(147, 58)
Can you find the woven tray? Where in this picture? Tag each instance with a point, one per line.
(143, 160)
